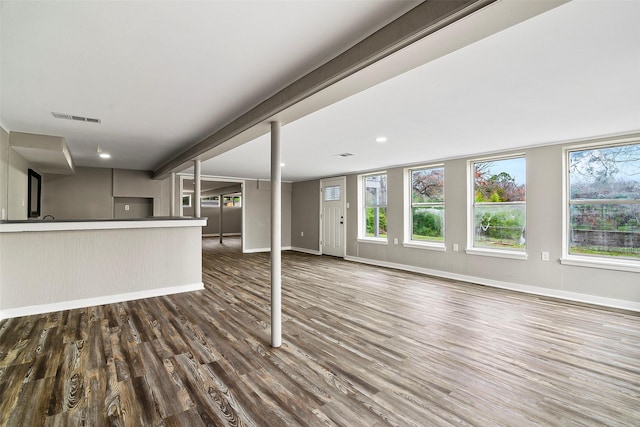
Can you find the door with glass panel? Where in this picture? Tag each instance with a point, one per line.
(333, 217)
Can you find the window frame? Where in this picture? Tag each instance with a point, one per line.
(408, 240)
(516, 254)
(362, 221)
(591, 260)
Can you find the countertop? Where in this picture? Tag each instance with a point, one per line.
(12, 226)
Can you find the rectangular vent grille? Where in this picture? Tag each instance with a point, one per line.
(76, 118)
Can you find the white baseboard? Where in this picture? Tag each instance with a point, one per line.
(535, 290)
(306, 251)
(90, 302)
(255, 250)
(223, 235)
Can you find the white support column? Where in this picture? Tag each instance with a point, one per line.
(197, 187)
(276, 239)
(220, 198)
(172, 206)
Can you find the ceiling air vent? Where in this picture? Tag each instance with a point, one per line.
(76, 118)
(344, 155)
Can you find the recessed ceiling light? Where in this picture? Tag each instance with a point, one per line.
(381, 139)
(282, 165)
(102, 154)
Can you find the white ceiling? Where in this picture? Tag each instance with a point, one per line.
(568, 74)
(163, 75)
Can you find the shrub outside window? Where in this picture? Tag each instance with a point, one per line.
(499, 204)
(604, 202)
(427, 204)
(375, 206)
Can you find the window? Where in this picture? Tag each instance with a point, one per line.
(186, 201)
(373, 218)
(427, 205)
(210, 202)
(604, 202)
(499, 206)
(332, 193)
(234, 201)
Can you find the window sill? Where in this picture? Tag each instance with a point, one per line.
(607, 264)
(432, 246)
(497, 253)
(373, 240)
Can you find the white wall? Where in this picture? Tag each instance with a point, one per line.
(18, 189)
(77, 268)
(4, 172)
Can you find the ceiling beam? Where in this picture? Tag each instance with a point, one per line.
(426, 18)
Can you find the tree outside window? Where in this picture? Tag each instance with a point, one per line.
(375, 205)
(499, 205)
(604, 201)
(427, 204)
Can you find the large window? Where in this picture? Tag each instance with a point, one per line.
(427, 204)
(499, 206)
(604, 202)
(374, 209)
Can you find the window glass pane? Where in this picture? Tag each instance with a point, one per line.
(376, 222)
(499, 226)
(375, 190)
(428, 223)
(605, 229)
(209, 202)
(332, 193)
(427, 185)
(605, 173)
(500, 180)
(231, 201)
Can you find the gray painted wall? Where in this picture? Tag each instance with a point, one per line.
(90, 192)
(305, 215)
(132, 207)
(257, 205)
(544, 233)
(232, 219)
(135, 183)
(87, 194)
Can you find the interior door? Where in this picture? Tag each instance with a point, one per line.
(333, 217)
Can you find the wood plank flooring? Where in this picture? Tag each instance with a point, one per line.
(363, 346)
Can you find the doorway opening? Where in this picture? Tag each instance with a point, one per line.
(221, 202)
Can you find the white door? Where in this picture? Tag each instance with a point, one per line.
(333, 216)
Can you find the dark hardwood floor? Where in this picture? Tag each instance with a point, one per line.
(363, 346)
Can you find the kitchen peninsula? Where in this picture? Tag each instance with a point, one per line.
(48, 266)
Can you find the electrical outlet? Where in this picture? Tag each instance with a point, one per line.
(395, 240)
(545, 256)
(126, 207)
(302, 234)
(455, 247)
